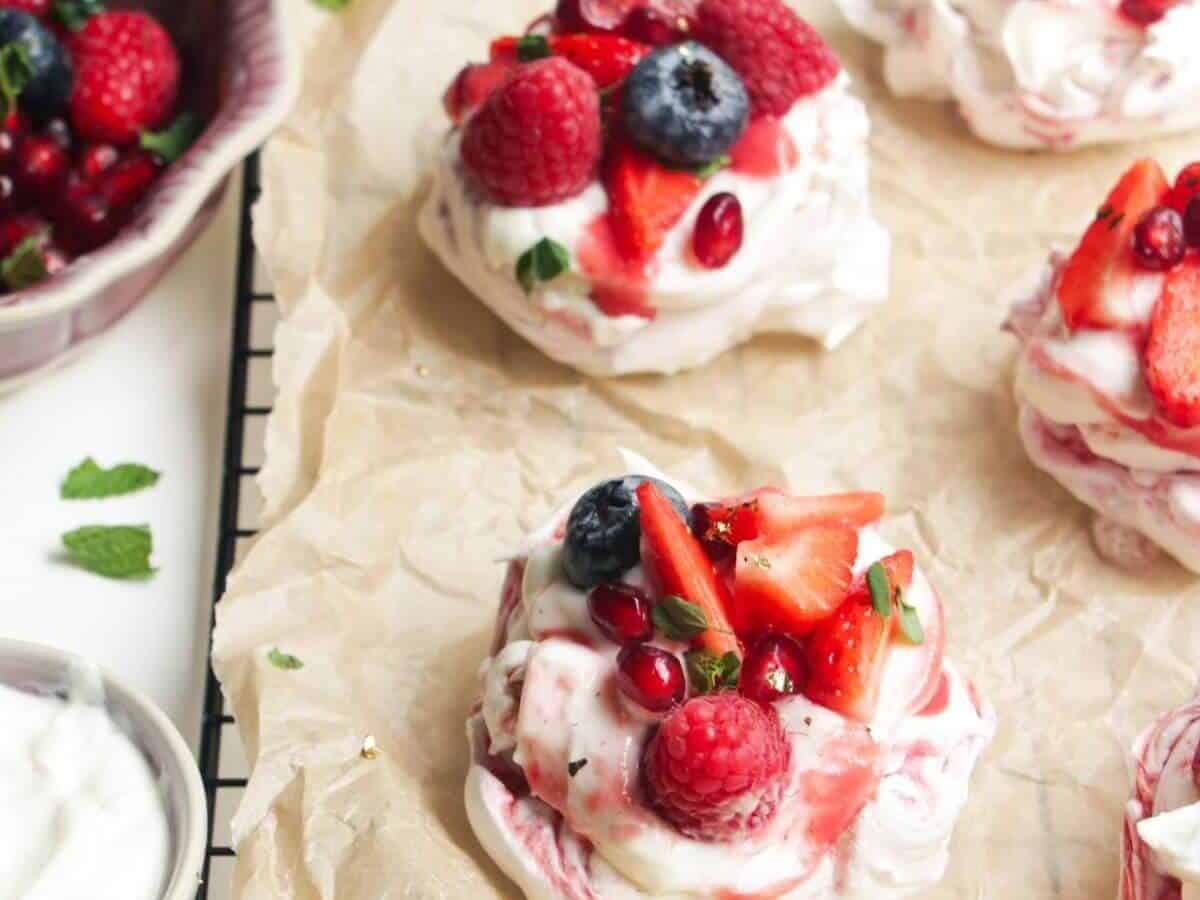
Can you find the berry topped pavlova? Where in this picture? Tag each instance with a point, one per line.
(741, 698)
(1108, 380)
(1046, 74)
(1160, 843)
(639, 185)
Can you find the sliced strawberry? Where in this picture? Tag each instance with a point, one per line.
(646, 199)
(675, 558)
(790, 583)
(1173, 349)
(1187, 185)
(606, 57)
(1096, 285)
(780, 514)
(846, 653)
(471, 87)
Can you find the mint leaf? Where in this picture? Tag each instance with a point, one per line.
(173, 141)
(88, 481)
(544, 261)
(678, 619)
(114, 551)
(75, 13)
(881, 589)
(25, 266)
(332, 5)
(910, 623)
(709, 672)
(712, 167)
(532, 46)
(284, 661)
(15, 73)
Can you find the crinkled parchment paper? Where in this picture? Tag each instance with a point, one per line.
(416, 438)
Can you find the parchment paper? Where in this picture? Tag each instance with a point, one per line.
(416, 439)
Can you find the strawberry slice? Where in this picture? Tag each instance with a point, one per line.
(608, 58)
(791, 582)
(675, 558)
(1187, 186)
(780, 513)
(1096, 288)
(1173, 349)
(646, 199)
(846, 653)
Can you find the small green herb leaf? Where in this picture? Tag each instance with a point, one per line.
(25, 266)
(88, 481)
(712, 167)
(172, 142)
(881, 589)
(532, 46)
(910, 623)
(114, 551)
(544, 261)
(285, 661)
(75, 13)
(678, 619)
(15, 73)
(709, 672)
(332, 5)
(575, 765)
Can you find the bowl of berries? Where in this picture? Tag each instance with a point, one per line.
(119, 125)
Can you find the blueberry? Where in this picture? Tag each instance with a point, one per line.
(684, 104)
(604, 532)
(50, 80)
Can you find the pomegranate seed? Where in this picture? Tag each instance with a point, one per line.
(6, 193)
(591, 15)
(1158, 239)
(85, 221)
(1145, 12)
(718, 232)
(773, 669)
(622, 612)
(650, 677)
(721, 528)
(127, 182)
(40, 168)
(97, 158)
(649, 26)
(1191, 222)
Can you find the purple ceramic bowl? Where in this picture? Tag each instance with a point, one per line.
(242, 75)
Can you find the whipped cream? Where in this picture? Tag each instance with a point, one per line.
(81, 813)
(1087, 417)
(1051, 74)
(813, 260)
(548, 700)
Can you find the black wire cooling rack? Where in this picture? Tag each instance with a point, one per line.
(253, 303)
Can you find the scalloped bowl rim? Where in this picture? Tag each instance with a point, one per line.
(92, 274)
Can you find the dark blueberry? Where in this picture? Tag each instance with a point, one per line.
(604, 533)
(49, 86)
(685, 104)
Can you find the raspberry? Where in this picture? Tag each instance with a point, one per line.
(780, 57)
(536, 140)
(715, 768)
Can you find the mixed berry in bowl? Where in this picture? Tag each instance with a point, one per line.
(719, 698)
(90, 120)
(640, 185)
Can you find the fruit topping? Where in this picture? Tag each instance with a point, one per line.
(790, 582)
(646, 199)
(775, 668)
(608, 58)
(684, 104)
(471, 87)
(721, 527)
(35, 65)
(1191, 223)
(39, 8)
(1096, 285)
(674, 558)
(780, 57)
(536, 139)
(847, 651)
(40, 169)
(1173, 348)
(604, 529)
(780, 513)
(717, 235)
(592, 15)
(126, 76)
(716, 767)
(651, 677)
(1187, 185)
(654, 27)
(621, 612)
(1145, 12)
(1158, 242)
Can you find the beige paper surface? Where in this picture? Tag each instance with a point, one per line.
(416, 439)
